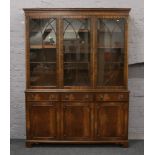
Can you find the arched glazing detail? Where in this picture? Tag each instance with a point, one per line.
(110, 52)
(76, 43)
(111, 32)
(42, 33)
(49, 32)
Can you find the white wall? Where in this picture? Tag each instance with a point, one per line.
(18, 57)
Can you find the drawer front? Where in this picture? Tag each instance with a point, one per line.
(77, 97)
(42, 97)
(111, 97)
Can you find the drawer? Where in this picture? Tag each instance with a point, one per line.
(111, 97)
(77, 97)
(42, 97)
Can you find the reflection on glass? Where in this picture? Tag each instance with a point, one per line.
(42, 74)
(43, 52)
(110, 52)
(76, 52)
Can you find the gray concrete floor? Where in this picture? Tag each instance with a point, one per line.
(136, 147)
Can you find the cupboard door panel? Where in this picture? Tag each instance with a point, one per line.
(76, 120)
(43, 120)
(43, 52)
(76, 48)
(111, 120)
(110, 52)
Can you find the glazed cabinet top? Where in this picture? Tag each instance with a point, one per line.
(76, 48)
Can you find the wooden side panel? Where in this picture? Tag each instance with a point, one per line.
(76, 120)
(111, 120)
(43, 120)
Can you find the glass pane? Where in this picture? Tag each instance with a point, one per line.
(43, 52)
(76, 52)
(110, 52)
(42, 74)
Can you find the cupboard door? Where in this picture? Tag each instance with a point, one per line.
(43, 52)
(76, 120)
(43, 120)
(110, 52)
(76, 51)
(111, 120)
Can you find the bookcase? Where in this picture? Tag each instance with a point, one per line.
(76, 75)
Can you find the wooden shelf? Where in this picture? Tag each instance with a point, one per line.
(80, 30)
(113, 62)
(100, 30)
(77, 52)
(77, 62)
(75, 68)
(71, 39)
(84, 30)
(42, 46)
(44, 62)
(38, 30)
(109, 47)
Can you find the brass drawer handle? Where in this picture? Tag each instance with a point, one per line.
(86, 97)
(32, 96)
(36, 97)
(66, 97)
(101, 97)
(121, 96)
(52, 97)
